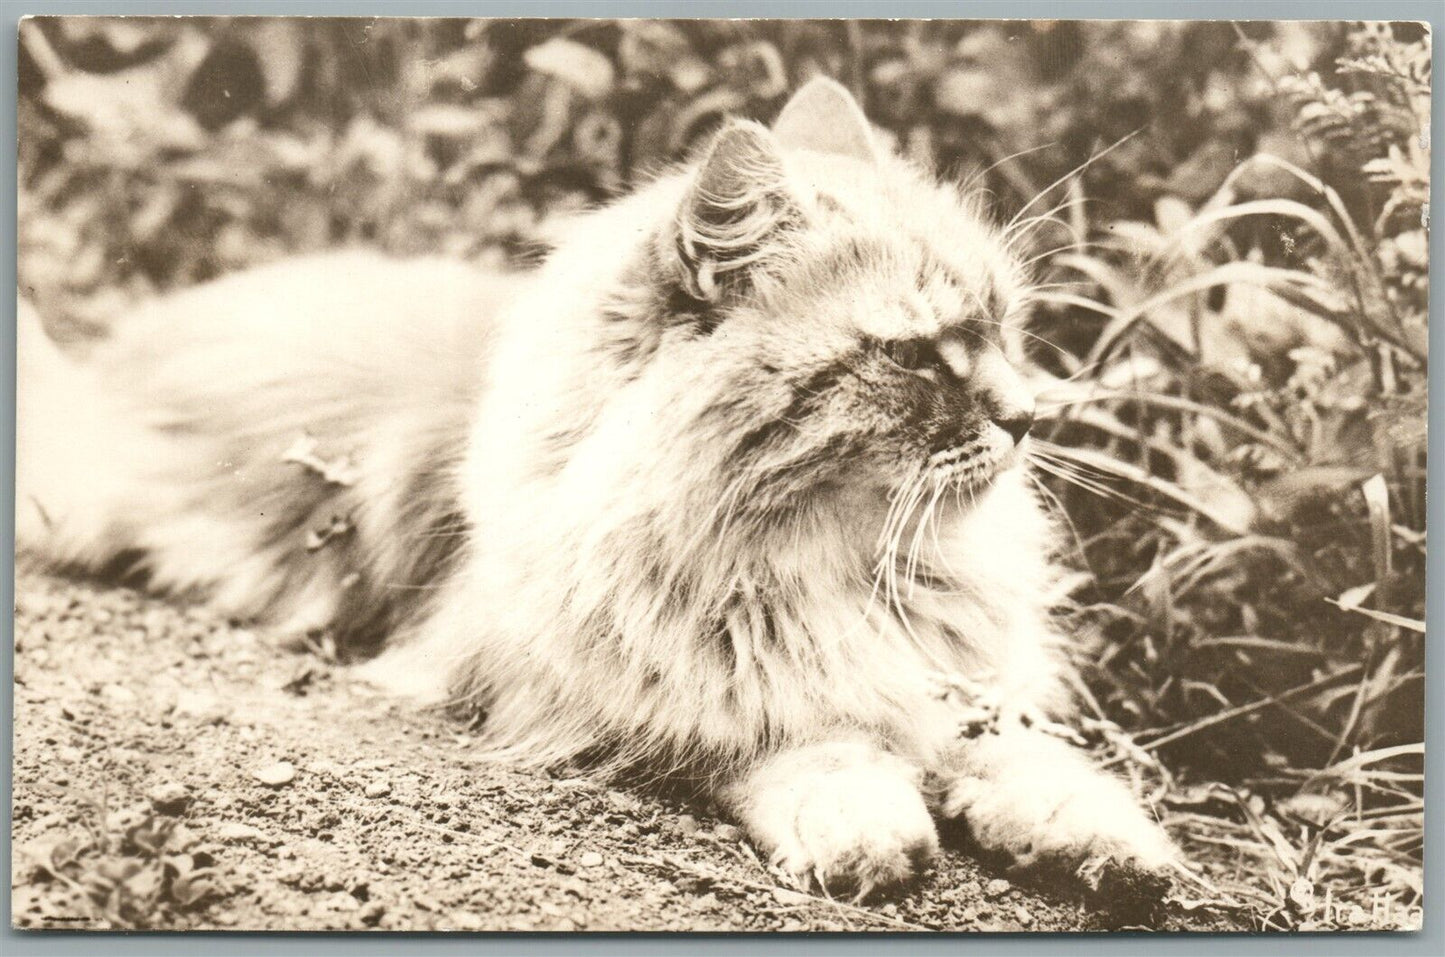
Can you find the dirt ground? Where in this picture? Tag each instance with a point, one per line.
(173, 771)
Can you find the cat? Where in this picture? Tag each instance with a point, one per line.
(731, 487)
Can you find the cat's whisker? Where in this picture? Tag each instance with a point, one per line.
(1054, 251)
(930, 516)
(915, 495)
(911, 566)
(968, 184)
(885, 568)
(934, 524)
(1022, 233)
(1048, 292)
(917, 519)
(890, 560)
(1074, 475)
(1024, 332)
(1019, 220)
(1077, 170)
(895, 502)
(734, 499)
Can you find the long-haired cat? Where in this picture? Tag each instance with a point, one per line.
(730, 487)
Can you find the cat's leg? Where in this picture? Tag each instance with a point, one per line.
(1045, 804)
(842, 813)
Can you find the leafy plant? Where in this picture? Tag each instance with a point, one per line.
(131, 869)
(1253, 404)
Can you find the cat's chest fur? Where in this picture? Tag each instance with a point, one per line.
(611, 594)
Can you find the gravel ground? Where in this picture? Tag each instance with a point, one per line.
(173, 771)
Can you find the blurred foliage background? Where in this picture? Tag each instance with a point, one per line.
(1228, 222)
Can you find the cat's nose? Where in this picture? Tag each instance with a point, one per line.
(1007, 400)
(1016, 422)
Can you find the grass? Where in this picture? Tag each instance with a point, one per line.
(1217, 526)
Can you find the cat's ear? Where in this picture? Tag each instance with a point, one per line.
(824, 117)
(738, 201)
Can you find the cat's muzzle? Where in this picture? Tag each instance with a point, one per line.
(972, 465)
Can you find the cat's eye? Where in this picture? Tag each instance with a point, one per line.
(915, 355)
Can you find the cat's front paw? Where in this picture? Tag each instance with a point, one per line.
(1043, 823)
(846, 820)
(1052, 812)
(857, 834)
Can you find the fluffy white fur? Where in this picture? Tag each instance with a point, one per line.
(624, 524)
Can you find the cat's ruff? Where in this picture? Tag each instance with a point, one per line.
(721, 489)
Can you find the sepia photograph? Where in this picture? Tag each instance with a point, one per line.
(720, 475)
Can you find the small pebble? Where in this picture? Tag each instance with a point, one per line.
(687, 824)
(343, 901)
(169, 797)
(590, 859)
(997, 887)
(625, 803)
(202, 706)
(378, 789)
(422, 902)
(236, 831)
(276, 775)
(728, 832)
(790, 898)
(1023, 916)
(118, 695)
(372, 913)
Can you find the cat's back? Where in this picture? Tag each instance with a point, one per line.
(354, 318)
(345, 285)
(186, 434)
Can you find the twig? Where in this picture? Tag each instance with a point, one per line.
(1221, 717)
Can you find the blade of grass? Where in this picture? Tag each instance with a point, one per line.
(1267, 277)
(1413, 624)
(1346, 769)
(1221, 717)
(1176, 403)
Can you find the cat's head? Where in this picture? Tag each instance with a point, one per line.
(860, 317)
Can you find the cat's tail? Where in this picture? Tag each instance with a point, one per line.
(71, 441)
